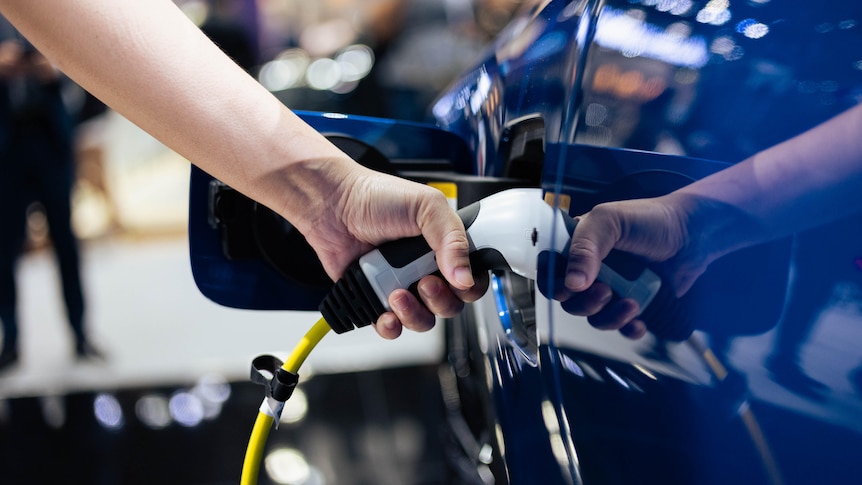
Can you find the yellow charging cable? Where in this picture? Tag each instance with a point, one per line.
(266, 416)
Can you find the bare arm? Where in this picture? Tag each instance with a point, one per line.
(150, 63)
(147, 61)
(813, 178)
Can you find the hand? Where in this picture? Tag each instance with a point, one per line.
(657, 229)
(368, 208)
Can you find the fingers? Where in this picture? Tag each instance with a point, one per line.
(388, 326)
(634, 330)
(620, 315)
(446, 301)
(588, 302)
(596, 234)
(444, 231)
(438, 299)
(597, 303)
(605, 313)
(594, 237)
(407, 312)
(615, 315)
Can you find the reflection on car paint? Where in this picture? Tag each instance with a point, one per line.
(711, 81)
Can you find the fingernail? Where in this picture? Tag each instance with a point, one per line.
(575, 280)
(464, 277)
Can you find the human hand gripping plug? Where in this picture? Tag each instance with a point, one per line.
(657, 229)
(369, 208)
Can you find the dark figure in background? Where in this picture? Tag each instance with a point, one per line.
(36, 165)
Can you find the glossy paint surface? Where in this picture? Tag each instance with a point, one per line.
(778, 400)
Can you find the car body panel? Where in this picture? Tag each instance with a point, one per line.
(679, 412)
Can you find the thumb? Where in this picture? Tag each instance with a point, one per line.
(595, 235)
(445, 233)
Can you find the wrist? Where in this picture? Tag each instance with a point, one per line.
(715, 228)
(303, 191)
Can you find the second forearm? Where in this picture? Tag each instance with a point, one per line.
(808, 180)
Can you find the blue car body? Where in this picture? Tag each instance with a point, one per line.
(604, 100)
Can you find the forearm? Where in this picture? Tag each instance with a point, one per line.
(147, 61)
(805, 181)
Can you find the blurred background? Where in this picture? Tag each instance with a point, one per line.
(152, 387)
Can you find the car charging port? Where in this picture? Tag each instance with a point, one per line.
(522, 155)
(522, 149)
(516, 307)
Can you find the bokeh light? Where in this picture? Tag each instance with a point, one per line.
(152, 410)
(186, 409)
(108, 412)
(287, 466)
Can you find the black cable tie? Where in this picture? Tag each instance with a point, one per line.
(282, 383)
